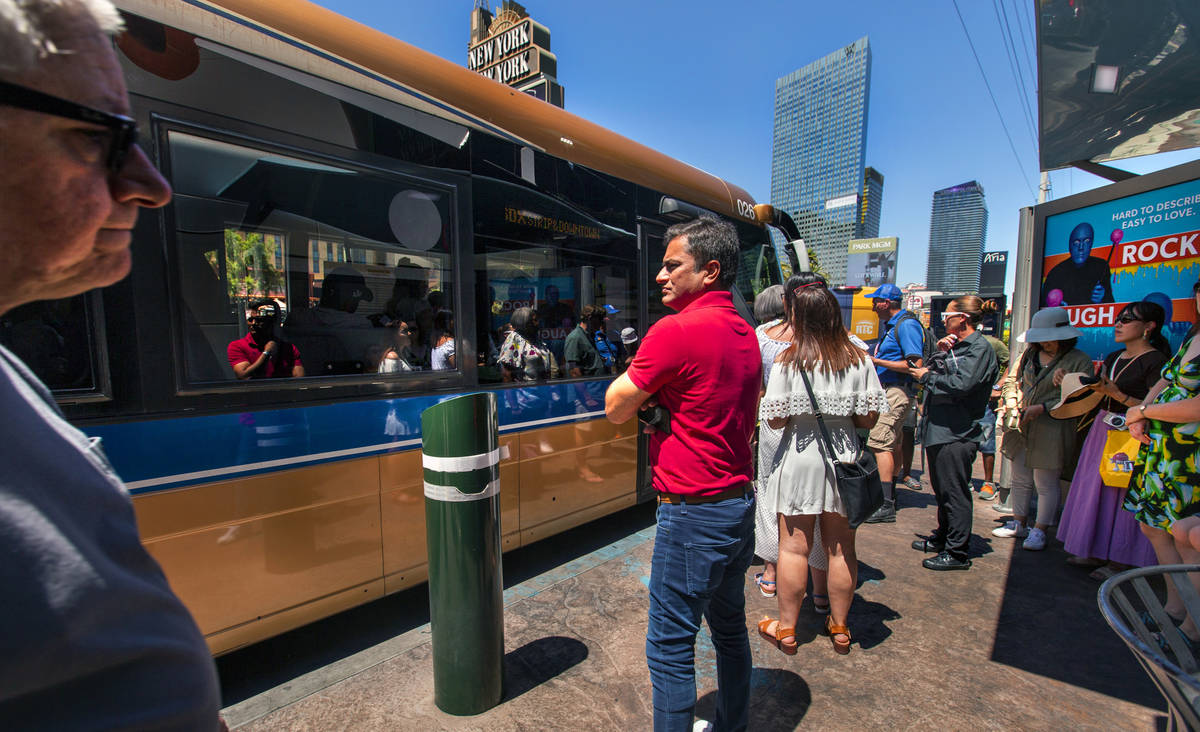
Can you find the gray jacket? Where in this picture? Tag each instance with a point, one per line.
(957, 390)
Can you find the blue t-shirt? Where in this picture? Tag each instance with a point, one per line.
(607, 349)
(899, 342)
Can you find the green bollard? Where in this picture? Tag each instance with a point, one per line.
(461, 459)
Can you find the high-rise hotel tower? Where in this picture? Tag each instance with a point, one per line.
(817, 170)
(957, 232)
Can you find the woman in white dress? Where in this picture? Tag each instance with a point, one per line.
(801, 482)
(774, 335)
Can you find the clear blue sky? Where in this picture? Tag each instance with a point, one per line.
(696, 80)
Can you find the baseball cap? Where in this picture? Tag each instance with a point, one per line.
(886, 291)
(610, 309)
(628, 335)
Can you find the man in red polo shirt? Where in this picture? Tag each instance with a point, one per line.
(259, 355)
(701, 366)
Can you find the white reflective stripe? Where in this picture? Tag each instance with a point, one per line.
(461, 464)
(450, 494)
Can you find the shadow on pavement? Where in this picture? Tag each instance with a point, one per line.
(1050, 625)
(779, 700)
(868, 619)
(537, 662)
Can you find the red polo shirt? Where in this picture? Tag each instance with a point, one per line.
(245, 349)
(704, 366)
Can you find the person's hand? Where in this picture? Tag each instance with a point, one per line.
(1137, 430)
(591, 403)
(918, 373)
(1098, 292)
(649, 404)
(1032, 413)
(947, 343)
(270, 348)
(1107, 387)
(1058, 376)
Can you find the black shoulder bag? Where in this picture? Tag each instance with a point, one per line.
(858, 482)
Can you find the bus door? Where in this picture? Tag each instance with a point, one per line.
(650, 310)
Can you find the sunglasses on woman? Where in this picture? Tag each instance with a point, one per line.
(1126, 318)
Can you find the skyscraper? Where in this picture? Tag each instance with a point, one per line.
(817, 170)
(870, 206)
(957, 232)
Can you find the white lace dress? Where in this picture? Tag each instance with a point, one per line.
(799, 476)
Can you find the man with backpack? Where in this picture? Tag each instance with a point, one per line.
(901, 345)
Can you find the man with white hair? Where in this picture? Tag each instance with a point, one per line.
(92, 634)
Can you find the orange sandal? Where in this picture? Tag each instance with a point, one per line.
(776, 637)
(842, 647)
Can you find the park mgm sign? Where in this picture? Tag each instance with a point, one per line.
(514, 49)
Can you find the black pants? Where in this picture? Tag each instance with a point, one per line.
(950, 473)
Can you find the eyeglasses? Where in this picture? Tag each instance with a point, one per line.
(1127, 318)
(123, 130)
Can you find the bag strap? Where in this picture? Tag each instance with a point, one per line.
(820, 419)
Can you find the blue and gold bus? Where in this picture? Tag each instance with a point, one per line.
(381, 201)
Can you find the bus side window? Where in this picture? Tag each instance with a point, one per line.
(55, 340)
(291, 268)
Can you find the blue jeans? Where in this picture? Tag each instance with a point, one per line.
(701, 554)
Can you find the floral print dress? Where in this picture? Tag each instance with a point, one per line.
(1165, 486)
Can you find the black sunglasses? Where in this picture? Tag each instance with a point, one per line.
(124, 130)
(1128, 318)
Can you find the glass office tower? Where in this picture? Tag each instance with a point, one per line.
(817, 169)
(957, 233)
(871, 205)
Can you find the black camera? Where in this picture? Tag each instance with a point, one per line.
(657, 417)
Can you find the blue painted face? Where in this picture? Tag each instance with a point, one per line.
(1081, 243)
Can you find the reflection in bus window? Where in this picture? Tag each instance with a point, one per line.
(544, 260)
(347, 256)
(54, 340)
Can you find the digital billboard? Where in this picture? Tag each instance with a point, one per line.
(871, 262)
(1134, 240)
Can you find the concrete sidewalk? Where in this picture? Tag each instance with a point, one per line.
(1017, 642)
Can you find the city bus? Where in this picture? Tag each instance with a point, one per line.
(372, 204)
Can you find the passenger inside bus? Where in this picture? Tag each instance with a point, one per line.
(442, 357)
(410, 302)
(262, 354)
(524, 356)
(333, 336)
(398, 357)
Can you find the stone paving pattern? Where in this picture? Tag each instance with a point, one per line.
(1017, 642)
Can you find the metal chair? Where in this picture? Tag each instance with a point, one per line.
(1132, 609)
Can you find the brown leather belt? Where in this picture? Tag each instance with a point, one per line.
(677, 498)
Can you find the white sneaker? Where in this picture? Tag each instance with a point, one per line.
(702, 725)
(1036, 541)
(1012, 530)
